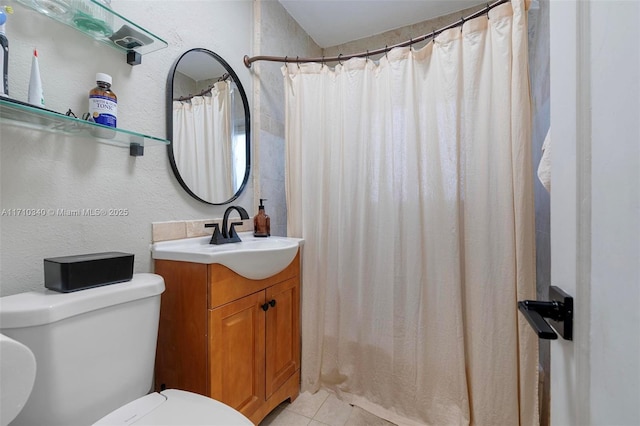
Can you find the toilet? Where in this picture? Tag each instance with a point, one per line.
(94, 353)
(17, 374)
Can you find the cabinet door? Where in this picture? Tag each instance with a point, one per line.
(236, 348)
(282, 334)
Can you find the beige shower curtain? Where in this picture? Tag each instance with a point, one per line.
(202, 143)
(411, 182)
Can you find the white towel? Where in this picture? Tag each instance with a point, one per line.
(544, 168)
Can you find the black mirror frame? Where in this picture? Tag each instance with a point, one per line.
(169, 120)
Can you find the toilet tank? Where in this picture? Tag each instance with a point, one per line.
(95, 348)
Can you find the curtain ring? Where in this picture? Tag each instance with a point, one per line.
(322, 62)
(367, 57)
(297, 61)
(339, 61)
(386, 51)
(488, 9)
(433, 36)
(286, 62)
(461, 23)
(410, 41)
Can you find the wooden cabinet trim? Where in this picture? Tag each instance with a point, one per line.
(182, 339)
(226, 286)
(282, 334)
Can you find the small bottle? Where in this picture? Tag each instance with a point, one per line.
(261, 222)
(35, 95)
(103, 103)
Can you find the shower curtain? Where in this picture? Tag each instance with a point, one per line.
(202, 142)
(411, 182)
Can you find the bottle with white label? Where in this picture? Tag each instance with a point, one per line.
(103, 103)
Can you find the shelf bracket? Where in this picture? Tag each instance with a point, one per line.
(134, 58)
(136, 149)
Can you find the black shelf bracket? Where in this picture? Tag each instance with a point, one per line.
(134, 58)
(558, 311)
(136, 149)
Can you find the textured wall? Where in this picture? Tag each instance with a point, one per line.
(540, 85)
(277, 34)
(539, 57)
(41, 170)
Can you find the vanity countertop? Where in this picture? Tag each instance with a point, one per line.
(254, 258)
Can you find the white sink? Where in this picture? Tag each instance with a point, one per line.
(253, 258)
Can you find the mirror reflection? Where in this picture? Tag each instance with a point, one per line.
(208, 125)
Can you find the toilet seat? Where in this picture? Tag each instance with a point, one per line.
(174, 407)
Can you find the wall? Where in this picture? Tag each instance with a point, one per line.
(615, 213)
(539, 63)
(45, 171)
(277, 34)
(183, 85)
(595, 209)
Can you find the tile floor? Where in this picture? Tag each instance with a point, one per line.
(320, 409)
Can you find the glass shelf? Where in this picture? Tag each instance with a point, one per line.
(19, 114)
(100, 22)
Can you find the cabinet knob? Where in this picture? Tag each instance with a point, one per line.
(272, 303)
(265, 307)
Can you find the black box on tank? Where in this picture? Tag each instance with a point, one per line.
(72, 273)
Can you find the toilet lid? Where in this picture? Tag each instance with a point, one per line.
(174, 407)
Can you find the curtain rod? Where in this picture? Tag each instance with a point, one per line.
(224, 77)
(249, 60)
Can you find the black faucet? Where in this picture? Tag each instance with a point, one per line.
(228, 234)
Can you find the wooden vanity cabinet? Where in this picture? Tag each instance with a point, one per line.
(228, 337)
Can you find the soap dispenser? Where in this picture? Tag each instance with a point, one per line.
(261, 222)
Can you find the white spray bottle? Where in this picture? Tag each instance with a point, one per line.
(35, 96)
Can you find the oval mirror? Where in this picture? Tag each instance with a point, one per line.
(208, 127)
